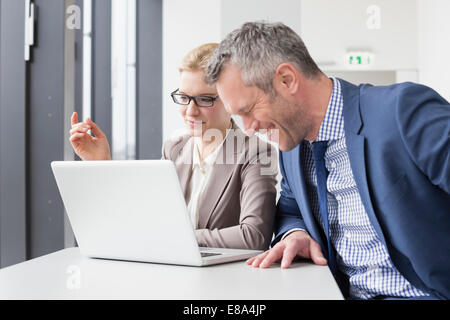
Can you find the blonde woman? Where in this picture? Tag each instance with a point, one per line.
(230, 193)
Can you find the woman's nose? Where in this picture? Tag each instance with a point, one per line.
(192, 108)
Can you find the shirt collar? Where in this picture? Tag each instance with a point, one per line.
(332, 127)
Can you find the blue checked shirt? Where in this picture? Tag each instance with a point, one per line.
(359, 252)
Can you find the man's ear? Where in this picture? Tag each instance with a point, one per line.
(286, 79)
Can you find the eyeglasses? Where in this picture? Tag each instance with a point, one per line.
(200, 101)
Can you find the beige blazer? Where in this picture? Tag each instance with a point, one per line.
(237, 207)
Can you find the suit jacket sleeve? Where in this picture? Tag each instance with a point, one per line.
(288, 214)
(423, 117)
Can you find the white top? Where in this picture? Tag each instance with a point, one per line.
(201, 171)
(66, 274)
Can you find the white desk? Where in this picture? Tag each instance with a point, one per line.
(68, 275)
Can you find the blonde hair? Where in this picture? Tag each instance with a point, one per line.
(198, 58)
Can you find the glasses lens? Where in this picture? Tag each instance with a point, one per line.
(180, 99)
(205, 101)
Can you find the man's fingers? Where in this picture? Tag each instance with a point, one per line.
(250, 261)
(287, 250)
(289, 253)
(316, 253)
(274, 254)
(257, 259)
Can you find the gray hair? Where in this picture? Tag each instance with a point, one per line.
(258, 48)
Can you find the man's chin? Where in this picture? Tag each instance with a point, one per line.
(286, 146)
(283, 148)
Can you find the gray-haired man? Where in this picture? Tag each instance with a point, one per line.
(366, 170)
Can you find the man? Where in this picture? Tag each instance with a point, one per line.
(366, 170)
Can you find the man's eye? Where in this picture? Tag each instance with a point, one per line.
(245, 111)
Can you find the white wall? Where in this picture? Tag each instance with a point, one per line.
(331, 27)
(235, 12)
(186, 25)
(434, 45)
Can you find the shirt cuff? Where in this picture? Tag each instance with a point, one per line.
(292, 230)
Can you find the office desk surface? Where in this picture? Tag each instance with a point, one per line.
(67, 274)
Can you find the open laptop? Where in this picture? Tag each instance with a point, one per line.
(133, 210)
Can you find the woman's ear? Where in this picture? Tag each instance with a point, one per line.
(286, 79)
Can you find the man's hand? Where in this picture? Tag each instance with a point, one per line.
(298, 243)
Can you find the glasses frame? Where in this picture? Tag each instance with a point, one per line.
(174, 93)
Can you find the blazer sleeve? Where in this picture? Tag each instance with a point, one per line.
(173, 145)
(164, 151)
(423, 117)
(257, 202)
(288, 214)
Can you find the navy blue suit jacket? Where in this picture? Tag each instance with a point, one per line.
(398, 142)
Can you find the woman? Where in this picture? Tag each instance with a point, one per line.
(230, 194)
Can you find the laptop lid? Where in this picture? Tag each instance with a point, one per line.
(128, 210)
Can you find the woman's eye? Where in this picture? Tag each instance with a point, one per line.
(183, 99)
(204, 99)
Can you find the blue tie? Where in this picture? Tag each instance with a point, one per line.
(318, 149)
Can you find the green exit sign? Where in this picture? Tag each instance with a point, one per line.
(359, 58)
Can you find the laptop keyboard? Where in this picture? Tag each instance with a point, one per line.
(209, 254)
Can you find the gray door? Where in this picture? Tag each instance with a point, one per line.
(37, 97)
(13, 143)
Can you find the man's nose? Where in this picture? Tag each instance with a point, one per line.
(250, 124)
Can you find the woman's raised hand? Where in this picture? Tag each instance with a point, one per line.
(86, 146)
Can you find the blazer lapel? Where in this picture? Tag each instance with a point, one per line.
(183, 164)
(356, 149)
(218, 180)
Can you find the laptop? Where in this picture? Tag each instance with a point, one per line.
(133, 210)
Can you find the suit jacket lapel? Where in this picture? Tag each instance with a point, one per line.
(356, 149)
(303, 203)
